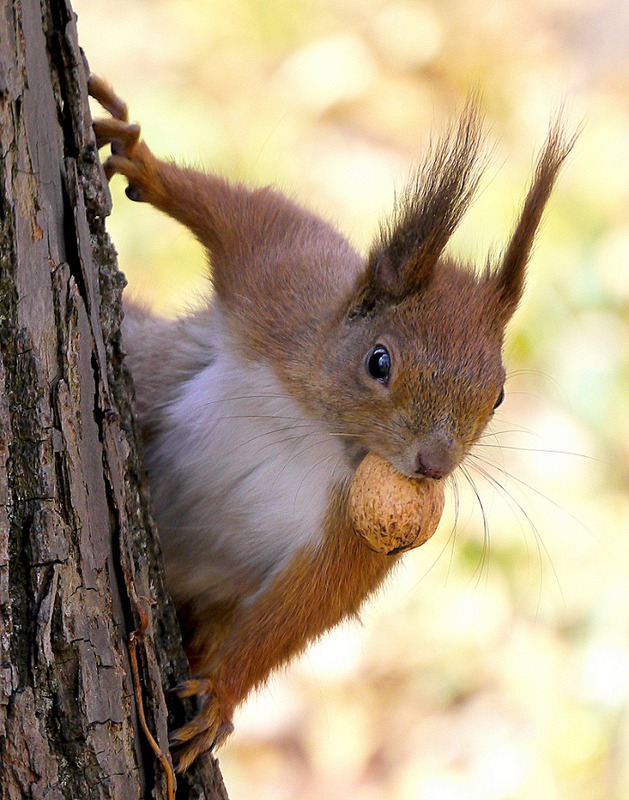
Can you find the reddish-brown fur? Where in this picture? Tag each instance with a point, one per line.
(322, 586)
(291, 289)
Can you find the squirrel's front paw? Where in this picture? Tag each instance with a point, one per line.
(207, 730)
(130, 155)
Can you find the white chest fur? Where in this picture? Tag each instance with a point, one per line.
(241, 480)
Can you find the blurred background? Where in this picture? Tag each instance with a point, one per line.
(495, 664)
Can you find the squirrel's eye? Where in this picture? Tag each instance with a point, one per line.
(379, 363)
(500, 398)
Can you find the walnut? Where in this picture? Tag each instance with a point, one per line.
(390, 511)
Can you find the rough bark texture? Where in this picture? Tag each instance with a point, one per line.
(76, 539)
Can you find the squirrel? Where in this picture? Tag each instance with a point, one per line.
(256, 409)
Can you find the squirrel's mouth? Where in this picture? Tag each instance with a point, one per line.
(420, 463)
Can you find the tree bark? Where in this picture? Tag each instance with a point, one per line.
(79, 559)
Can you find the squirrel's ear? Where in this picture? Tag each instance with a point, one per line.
(429, 210)
(508, 279)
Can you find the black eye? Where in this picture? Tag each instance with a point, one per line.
(379, 363)
(500, 398)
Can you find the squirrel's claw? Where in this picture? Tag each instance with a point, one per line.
(130, 155)
(132, 171)
(207, 730)
(195, 687)
(104, 94)
(122, 136)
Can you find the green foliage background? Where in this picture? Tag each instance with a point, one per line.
(495, 665)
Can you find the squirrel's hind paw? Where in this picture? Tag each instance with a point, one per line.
(206, 731)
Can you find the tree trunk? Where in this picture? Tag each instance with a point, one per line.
(78, 555)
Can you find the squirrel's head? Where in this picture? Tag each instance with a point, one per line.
(416, 370)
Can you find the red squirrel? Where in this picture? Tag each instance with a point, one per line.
(256, 409)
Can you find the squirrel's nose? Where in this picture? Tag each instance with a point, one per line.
(435, 458)
(435, 471)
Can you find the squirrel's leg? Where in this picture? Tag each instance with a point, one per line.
(318, 589)
(238, 226)
(209, 206)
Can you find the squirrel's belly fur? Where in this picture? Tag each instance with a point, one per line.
(241, 477)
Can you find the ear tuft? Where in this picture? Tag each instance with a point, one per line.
(510, 276)
(429, 210)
